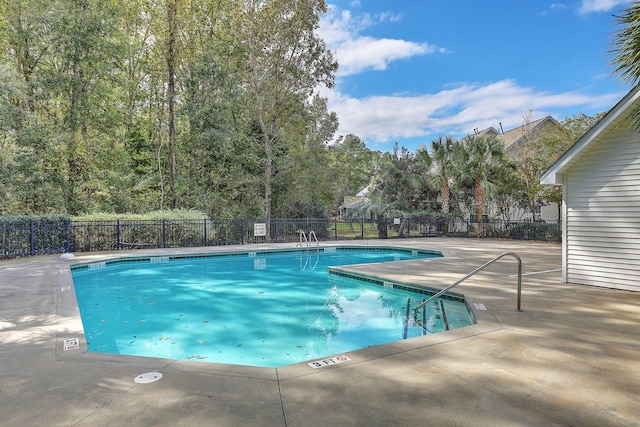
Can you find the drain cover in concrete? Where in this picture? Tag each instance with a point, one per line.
(147, 378)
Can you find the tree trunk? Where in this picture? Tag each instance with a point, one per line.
(172, 11)
(444, 192)
(479, 194)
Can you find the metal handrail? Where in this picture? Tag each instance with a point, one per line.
(313, 233)
(302, 235)
(482, 267)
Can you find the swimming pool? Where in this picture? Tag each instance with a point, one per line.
(269, 308)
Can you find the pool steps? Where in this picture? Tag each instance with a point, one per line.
(436, 320)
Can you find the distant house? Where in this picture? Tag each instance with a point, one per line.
(515, 142)
(516, 139)
(354, 204)
(600, 175)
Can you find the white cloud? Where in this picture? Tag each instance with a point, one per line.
(456, 110)
(591, 6)
(341, 30)
(362, 53)
(554, 8)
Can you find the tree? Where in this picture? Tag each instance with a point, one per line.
(478, 157)
(379, 207)
(285, 61)
(102, 102)
(577, 125)
(353, 165)
(626, 45)
(535, 155)
(442, 164)
(626, 50)
(171, 53)
(307, 161)
(395, 178)
(65, 53)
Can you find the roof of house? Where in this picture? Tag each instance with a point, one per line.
(354, 203)
(513, 137)
(623, 110)
(487, 131)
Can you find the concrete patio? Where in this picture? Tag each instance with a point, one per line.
(570, 358)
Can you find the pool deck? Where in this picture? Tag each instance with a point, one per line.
(570, 358)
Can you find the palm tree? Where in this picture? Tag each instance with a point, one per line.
(477, 157)
(378, 209)
(626, 50)
(442, 165)
(626, 45)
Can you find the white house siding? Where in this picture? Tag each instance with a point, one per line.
(603, 213)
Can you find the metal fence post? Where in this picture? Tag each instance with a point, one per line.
(67, 235)
(559, 231)
(118, 245)
(32, 243)
(164, 233)
(204, 233)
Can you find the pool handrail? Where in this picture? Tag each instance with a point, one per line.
(313, 233)
(303, 238)
(482, 267)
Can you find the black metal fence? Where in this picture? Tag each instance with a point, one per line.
(41, 237)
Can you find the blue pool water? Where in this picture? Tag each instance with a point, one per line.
(260, 309)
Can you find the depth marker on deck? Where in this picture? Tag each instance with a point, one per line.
(328, 362)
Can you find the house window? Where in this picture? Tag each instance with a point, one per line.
(538, 213)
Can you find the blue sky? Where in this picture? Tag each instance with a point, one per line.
(413, 70)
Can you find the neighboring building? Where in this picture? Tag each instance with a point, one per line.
(515, 141)
(517, 138)
(354, 203)
(600, 175)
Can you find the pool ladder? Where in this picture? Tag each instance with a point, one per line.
(477, 270)
(304, 241)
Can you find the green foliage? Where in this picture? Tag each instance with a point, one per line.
(626, 44)
(353, 165)
(179, 214)
(432, 214)
(84, 120)
(58, 219)
(305, 210)
(481, 160)
(577, 125)
(396, 182)
(441, 165)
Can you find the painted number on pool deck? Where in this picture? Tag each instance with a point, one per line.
(328, 362)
